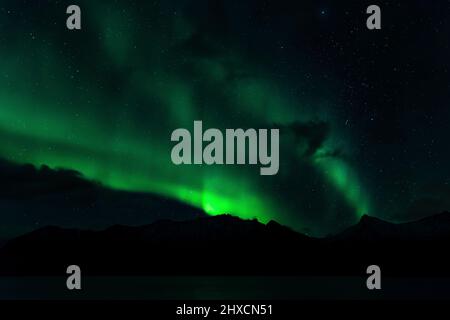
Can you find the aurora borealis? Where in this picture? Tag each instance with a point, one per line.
(362, 123)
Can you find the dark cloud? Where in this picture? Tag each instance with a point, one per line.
(31, 197)
(312, 133)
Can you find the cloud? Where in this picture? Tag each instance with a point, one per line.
(312, 134)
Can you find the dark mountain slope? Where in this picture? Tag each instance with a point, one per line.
(225, 245)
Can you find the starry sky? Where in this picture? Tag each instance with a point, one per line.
(363, 115)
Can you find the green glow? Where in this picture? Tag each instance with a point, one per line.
(105, 104)
(345, 180)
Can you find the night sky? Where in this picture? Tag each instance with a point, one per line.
(363, 115)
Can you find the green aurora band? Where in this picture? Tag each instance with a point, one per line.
(105, 100)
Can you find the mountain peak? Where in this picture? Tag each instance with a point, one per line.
(370, 220)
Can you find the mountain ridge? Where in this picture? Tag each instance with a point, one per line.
(226, 244)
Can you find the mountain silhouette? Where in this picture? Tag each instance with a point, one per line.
(371, 229)
(226, 245)
(153, 235)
